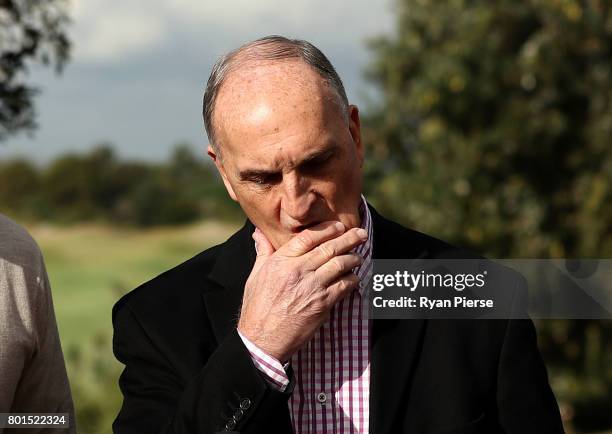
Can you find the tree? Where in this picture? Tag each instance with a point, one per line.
(30, 30)
(492, 131)
(19, 187)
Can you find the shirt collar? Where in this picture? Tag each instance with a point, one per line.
(364, 271)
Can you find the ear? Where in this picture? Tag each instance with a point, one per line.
(355, 130)
(217, 160)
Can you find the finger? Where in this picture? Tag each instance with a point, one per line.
(342, 287)
(336, 267)
(310, 238)
(335, 247)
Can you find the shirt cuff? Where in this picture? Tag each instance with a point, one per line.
(273, 370)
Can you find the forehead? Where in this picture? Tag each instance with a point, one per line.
(267, 103)
(255, 79)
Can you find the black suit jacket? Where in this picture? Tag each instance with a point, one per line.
(187, 370)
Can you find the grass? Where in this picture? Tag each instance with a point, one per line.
(90, 267)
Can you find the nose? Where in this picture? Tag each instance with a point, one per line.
(297, 200)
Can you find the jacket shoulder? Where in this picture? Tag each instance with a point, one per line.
(393, 240)
(17, 246)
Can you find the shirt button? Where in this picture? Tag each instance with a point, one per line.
(245, 404)
(238, 414)
(230, 425)
(322, 398)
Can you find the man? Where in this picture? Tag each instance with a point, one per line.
(269, 332)
(32, 372)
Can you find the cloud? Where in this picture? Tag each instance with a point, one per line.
(106, 32)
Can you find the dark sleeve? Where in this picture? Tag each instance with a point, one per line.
(526, 403)
(228, 394)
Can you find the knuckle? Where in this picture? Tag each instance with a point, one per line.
(304, 240)
(315, 284)
(337, 264)
(327, 250)
(318, 305)
(350, 282)
(347, 284)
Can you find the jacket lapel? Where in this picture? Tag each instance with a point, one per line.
(230, 272)
(395, 344)
(224, 298)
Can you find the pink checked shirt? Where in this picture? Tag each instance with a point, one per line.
(332, 371)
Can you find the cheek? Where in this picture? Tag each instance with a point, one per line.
(346, 173)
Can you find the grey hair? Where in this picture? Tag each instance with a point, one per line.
(267, 48)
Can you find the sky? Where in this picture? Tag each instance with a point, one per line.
(139, 67)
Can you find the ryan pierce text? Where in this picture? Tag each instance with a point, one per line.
(426, 302)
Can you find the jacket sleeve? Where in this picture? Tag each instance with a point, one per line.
(526, 403)
(228, 394)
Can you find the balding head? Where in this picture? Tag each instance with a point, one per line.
(250, 57)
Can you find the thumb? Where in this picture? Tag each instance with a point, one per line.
(263, 246)
(264, 249)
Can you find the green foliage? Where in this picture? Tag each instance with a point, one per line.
(492, 132)
(94, 373)
(98, 186)
(19, 183)
(30, 30)
(495, 124)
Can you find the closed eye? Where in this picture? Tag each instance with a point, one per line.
(265, 179)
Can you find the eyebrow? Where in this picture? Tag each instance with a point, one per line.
(322, 154)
